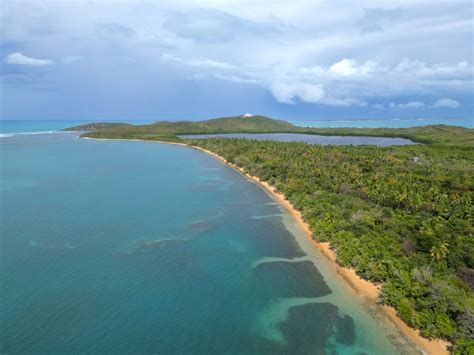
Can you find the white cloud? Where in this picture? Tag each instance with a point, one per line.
(348, 101)
(440, 71)
(289, 92)
(214, 25)
(344, 83)
(349, 67)
(408, 105)
(359, 53)
(345, 67)
(20, 59)
(446, 102)
(378, 106)
(374, 19)
(234, 78)
(199, 63)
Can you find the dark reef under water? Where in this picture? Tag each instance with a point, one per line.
(120, 247)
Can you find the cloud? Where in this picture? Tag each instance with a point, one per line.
(374, 19)
(234, 78)
(392, 52)
(348, 101)
(291, 93)
(214, 25)
(343, 83)
(447, 103)
(20, 59)
(114, 29)
(378, 106)
(461, 70)
(408, 105)
(288, 92)
(350, 67)
(444, 102)
(198, 63)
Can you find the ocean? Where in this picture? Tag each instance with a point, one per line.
(139, 247)
(385, 122)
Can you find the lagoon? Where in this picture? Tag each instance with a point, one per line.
(308, 138)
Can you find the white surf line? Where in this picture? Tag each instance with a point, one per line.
(271, 259)
(268, 216)
(13, 134)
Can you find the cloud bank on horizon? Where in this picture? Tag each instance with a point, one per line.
(189, 59)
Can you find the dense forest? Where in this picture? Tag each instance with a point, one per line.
(401, 216)
(447, 135)
(253, 124)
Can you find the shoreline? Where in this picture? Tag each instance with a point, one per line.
(359, 285)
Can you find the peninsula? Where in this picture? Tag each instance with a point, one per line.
(399, 216)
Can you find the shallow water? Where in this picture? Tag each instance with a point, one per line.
(13, 127)
(309, 138)
(118, 247)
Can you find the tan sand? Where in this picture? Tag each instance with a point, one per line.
(361, 286)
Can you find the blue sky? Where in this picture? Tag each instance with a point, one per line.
(200, 59)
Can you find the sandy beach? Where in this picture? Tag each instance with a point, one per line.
(361, 286)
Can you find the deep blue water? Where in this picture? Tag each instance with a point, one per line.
(310, 138)
(121, 247)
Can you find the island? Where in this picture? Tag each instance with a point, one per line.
(400, 217)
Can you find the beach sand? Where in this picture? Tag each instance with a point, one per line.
(361, 286)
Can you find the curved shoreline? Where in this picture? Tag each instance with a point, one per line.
(360, 286)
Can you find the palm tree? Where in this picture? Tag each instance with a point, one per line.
(439, 251)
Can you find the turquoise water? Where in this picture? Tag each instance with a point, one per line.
(121, 247)
(309, 138)
(8, 128)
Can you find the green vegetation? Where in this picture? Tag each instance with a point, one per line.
(97, 126)
(398, 215)
(441, 134)
(254, 124)
(437, 134)
(401, 215)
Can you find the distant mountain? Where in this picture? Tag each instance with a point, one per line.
(166, 130)
(96, 126)
(235, 124)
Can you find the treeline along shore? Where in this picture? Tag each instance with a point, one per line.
(400, 216)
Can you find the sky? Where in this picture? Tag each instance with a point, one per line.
(168, 60)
